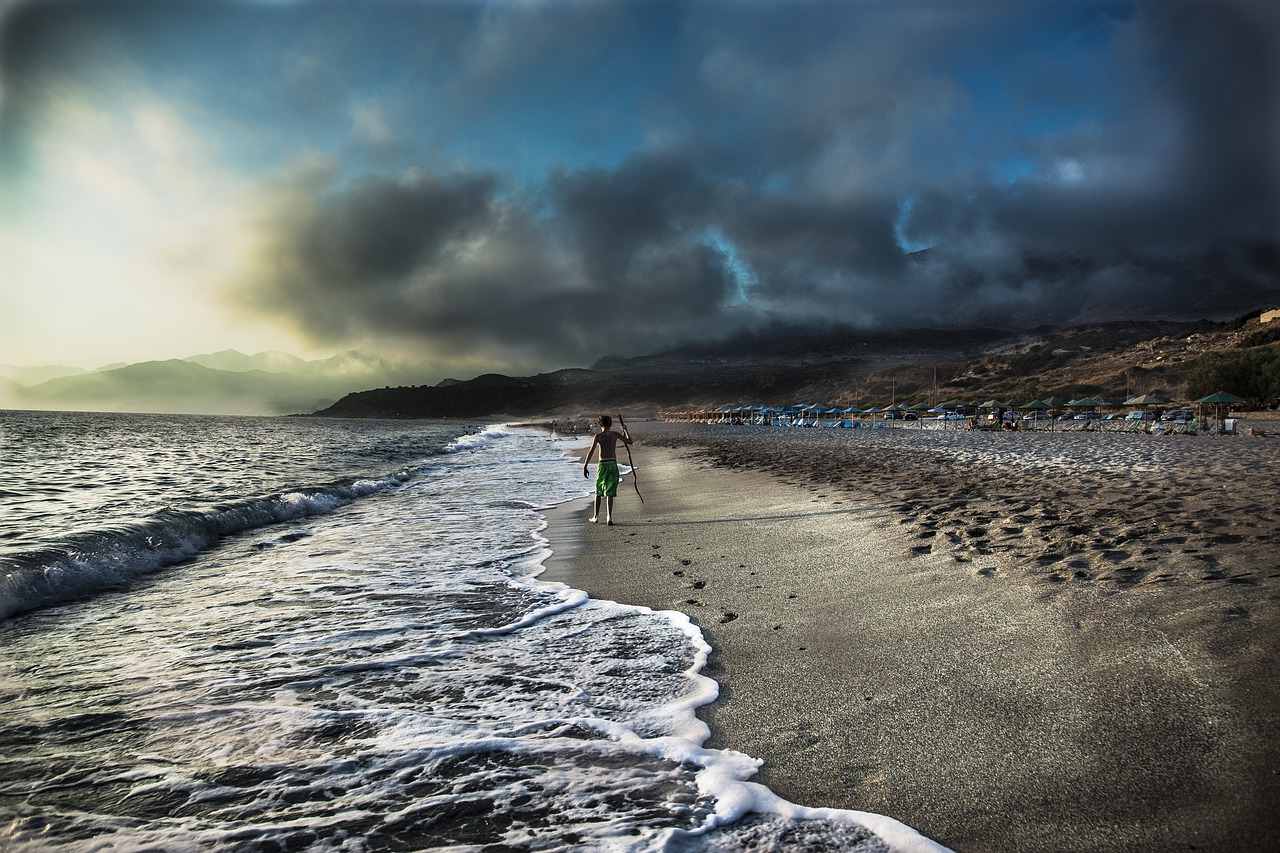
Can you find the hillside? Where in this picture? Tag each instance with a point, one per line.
(227, 382)
(845, 367)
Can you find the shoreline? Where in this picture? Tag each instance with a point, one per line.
(989, 700)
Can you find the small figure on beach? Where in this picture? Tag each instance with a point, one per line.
(607, 477)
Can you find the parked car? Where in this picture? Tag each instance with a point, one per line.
(1088, 416)
(1180, 416)
(1144, 415)
(1037, 416)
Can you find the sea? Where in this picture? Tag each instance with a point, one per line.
(301, 634)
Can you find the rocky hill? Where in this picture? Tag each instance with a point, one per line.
(847, 367)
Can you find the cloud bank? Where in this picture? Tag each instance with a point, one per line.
(533, 185)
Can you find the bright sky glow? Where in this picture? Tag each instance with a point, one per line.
(522, 186)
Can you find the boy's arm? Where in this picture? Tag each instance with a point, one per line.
(595, 442)
(626, 434)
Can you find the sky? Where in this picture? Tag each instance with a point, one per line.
(522, 186)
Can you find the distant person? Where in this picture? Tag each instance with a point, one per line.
(607, 477)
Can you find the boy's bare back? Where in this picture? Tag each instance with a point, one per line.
(608, 442)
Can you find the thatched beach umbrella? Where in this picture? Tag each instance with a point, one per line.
(1090, 403)
(1038, 406)
(1221, 398)
(1148, 400)
(1086, 404)
(1221, 402)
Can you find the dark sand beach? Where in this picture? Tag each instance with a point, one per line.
(1029, 642)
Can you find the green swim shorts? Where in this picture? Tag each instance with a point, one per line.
(607, 478)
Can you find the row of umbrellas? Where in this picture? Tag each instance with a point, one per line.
(1219, 398)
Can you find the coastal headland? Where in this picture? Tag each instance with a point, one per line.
(1010, 641)
(1182, 361)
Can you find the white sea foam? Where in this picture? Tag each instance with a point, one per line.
(85, 563)
(486, 437)
(381, 673)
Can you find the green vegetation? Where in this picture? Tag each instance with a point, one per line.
(1252, 373)
(1262, 337)
(1037, 359)
(1072, 392)
(1243, 319)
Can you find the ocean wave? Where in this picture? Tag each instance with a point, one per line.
(85, 563)
(490, 435)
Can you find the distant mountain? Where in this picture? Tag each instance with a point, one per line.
(227, 382)
(353, 363)
(36, 375)
(782, 364)
(846, 367)
(235, 361)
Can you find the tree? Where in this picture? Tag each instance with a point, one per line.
(1253, 374)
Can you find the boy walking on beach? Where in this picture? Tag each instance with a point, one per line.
(607, 471)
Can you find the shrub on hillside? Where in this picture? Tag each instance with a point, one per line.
(1253, 374)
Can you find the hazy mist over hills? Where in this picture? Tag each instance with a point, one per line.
(226, 382)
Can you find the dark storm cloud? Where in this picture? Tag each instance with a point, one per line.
(551, 181)
(824, 147)
(454, 265)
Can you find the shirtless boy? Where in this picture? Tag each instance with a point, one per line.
(607, 471)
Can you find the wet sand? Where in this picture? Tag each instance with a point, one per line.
(1009, 642)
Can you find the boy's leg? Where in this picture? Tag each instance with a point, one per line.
(595, 516)
(608, 505)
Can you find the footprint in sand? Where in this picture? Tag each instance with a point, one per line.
(699, 584)
(728, 616)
